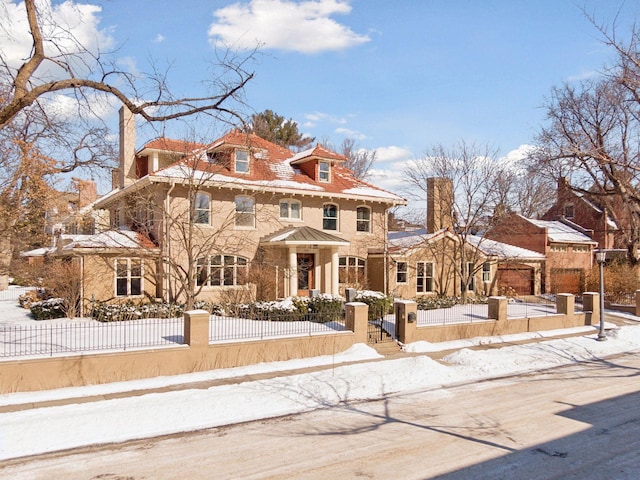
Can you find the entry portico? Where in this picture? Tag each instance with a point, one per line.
(312, 259)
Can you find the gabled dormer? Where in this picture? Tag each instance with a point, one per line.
(317, 163)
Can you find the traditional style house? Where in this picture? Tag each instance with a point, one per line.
(580, 210)
(237, 217)
(568, 249)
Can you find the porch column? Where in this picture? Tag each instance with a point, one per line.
(335, 290)
(293, 271)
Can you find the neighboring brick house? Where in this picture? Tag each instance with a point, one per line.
(578, 209)
(567, 249)
(244, 214)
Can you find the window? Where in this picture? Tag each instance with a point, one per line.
(486, 272)
(245, 211)
(324, 171)
(290, 209)
(424, 277)
(401, 272)
(363, 222)
(221, 270)
(351, 270)
(128, 277)
(329, 216)
(469, 274)
(201, 208)
(580, 248)
(557, 247)
(568, 210)
(242, 161)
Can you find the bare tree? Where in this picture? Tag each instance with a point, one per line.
(77, 71)
(470, 184)
(359, 160)
(60, 69)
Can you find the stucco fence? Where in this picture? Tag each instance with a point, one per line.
(196, 354)
(408, 329)
(632, 307)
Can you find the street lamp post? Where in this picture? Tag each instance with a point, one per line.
(601, 256)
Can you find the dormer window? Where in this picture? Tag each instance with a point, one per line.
(324, 171)
(568, 210)
(242, 161)
(215, 157)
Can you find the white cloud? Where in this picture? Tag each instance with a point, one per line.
(71, 28)
(393, 153)
(584, 75)
(347, 132)
(304, 27)
(158, 38)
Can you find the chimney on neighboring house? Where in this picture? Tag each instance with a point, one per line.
(127, 166)
(87, 192)
(439, 204)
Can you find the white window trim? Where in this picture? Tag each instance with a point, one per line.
(321, 171)
(486, 274)
(289, 201)
(236, 213)
(207, 264)
(406, 273)
(236, 161)
(369, 221)
(353, 268)
(196, 209)
(425, 277)
(115, 277)
(337, 217)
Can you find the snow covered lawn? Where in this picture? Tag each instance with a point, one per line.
(40, 430)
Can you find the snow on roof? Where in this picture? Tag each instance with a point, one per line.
(560, 232)
(110, 239)
(490, 248)
(494, 248)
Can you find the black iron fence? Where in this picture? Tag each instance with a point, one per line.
(272, 325)
(53, 337)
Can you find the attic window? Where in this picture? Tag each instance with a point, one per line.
(324, 171)
(568, 210)
(242, 161)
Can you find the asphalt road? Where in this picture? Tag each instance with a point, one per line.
(579, 422)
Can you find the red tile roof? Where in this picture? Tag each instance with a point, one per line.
(274, 166)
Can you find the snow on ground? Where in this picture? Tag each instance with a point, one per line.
(39, 430)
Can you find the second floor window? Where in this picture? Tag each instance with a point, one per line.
(568, 210)
(242, 161)
(424, 277)
(401, 272)
(201, 210)
(221, 270)
(290, 209)
(324, 171)
(245, 211)
(363, 222)
(329, 216)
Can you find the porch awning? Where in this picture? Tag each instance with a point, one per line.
(303, 236)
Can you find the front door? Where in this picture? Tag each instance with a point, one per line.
(305, 273)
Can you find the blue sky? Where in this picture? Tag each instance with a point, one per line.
(396, 76)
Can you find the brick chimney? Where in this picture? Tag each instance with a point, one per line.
(439, 204)
(127, 168)
(87, 192)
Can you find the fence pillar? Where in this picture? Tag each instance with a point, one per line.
(497, 308)
(196, 328)
(356, 320)
(565, 304)
(637, 303)
(591, 307)
(406, 313)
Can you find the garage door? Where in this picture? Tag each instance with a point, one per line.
(518, 279)
(566, 281)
